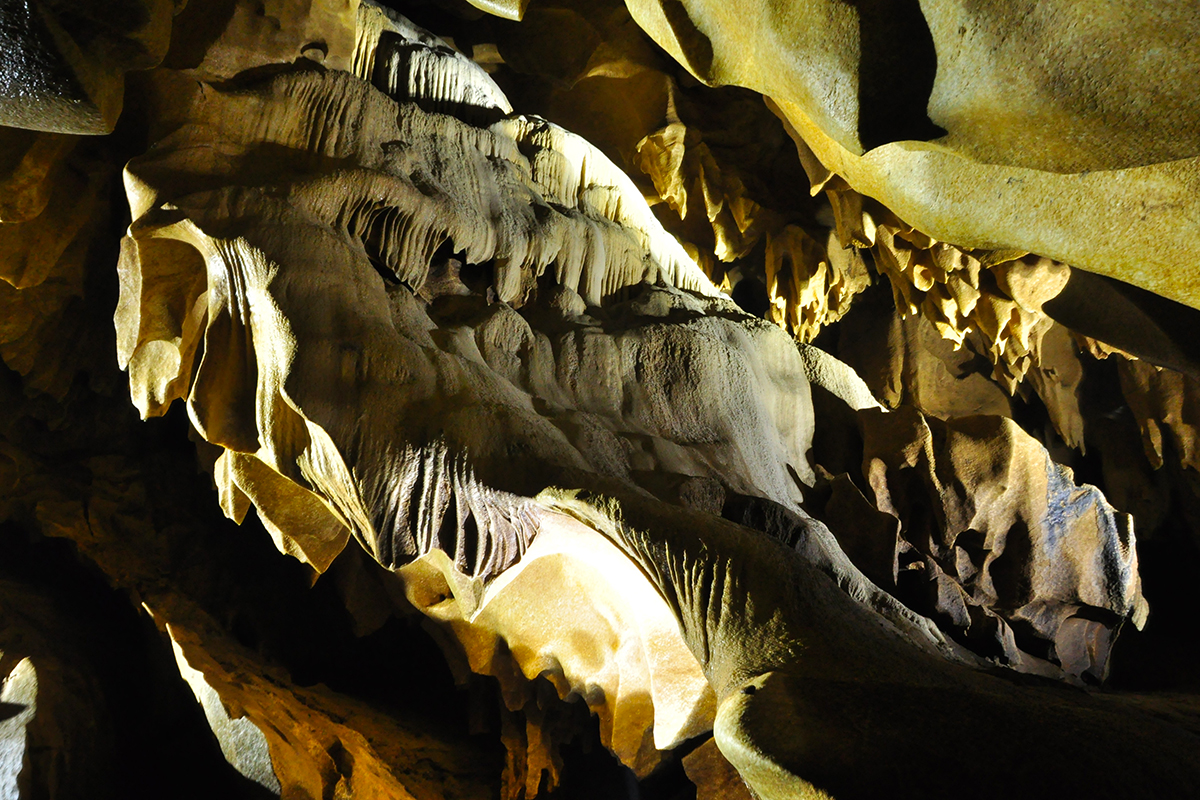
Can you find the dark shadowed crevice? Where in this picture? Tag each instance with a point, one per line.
(1147, 325)
(897, 67)
(694, 45)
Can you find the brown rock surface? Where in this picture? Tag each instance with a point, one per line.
(509, 349)
(66, 62)
(905, 103)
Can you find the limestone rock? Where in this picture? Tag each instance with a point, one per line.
(798, 711)
(1164, 402)
(66, 63)
(999, 294)
(51, 702)
(811, 285)
(1004, 566)
(317, 310)
(520, 405)
(54, 210)
(215, 42)
(409, 63)
(165, 310)
(903, 104)
(19, 698)
(574, 611)
(296, 741)
(713, 775)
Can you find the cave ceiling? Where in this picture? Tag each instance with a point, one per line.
(557, 399)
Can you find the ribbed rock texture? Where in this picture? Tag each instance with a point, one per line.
(431, 401)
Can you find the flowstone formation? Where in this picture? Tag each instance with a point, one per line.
(587, 400)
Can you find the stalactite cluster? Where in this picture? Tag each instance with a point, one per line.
(560, 399)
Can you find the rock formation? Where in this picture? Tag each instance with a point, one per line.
(562, 399)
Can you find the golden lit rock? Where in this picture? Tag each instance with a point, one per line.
(905, 104)
(66, 64)
(485, 402)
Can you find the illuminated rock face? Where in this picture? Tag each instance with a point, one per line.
(487, 390)
(66, 62)
(957, 119)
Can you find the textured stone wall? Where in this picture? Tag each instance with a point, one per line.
(585, 399)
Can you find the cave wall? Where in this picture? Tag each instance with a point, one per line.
(561, 399)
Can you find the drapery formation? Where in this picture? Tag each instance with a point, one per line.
(752, 438)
